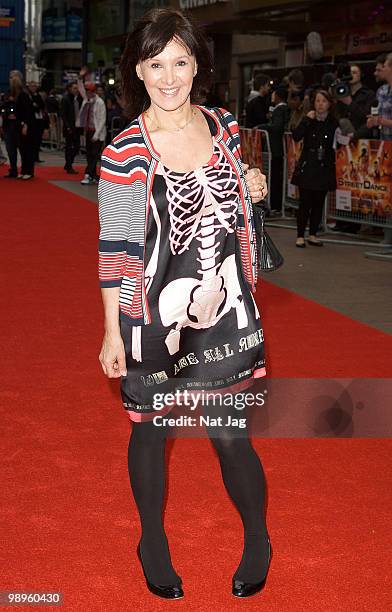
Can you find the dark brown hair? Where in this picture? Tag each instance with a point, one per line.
(380, 59)
(296, 77)
(332, 111)
(150, 36)
(327, 96)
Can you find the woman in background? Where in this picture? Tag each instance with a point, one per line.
(25, 119)
(315, 172)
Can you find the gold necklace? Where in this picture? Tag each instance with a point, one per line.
(179, 129)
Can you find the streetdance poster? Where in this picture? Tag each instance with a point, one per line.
(364, 178)
(293, 153)
(251, 148)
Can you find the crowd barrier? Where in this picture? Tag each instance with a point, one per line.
(364, 181)
(256, 151)
(53, 137)
(363, 174)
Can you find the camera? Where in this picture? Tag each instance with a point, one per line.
(340, 88)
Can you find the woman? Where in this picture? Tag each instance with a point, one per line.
(25, 120)
(177, 270)
(10, 130)
(315, 173)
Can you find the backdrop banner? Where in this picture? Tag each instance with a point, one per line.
(364, 178)
(293, 152)
(251, 147)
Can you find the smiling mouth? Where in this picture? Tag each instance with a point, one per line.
(169, 92)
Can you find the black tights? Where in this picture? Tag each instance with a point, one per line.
(311, 205)
(243, 477)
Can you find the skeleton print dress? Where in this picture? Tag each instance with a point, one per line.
(206, 331)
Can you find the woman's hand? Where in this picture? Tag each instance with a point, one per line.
(83, 72)
(112, 356)
(311, 114)
(256, 182)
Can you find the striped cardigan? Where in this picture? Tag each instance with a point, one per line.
(128, 165)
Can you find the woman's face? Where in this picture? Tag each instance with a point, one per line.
(321, 104)
(168, 77)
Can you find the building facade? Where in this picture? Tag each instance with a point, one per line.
(61, 34)
(269, 36)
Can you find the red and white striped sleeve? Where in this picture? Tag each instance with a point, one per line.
(114, 210)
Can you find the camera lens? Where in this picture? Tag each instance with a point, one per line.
(341, 90)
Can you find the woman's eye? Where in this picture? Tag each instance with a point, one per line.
(155, 65)
(181, 63)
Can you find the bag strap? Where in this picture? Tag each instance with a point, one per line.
(223, 121)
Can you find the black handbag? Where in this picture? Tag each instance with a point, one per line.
(268, 256)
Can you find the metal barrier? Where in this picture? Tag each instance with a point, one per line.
(55, 139)
(362, 214)
(256, 151)
(364, 188)
(116, 125)
(364, 183)
(359, 209)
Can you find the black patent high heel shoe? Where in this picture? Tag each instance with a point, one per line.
(245, 589)
(167, 591)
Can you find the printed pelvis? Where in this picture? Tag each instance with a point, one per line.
(201, 303)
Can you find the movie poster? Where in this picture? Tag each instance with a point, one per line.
(364, 178)
(293, 152)
(251, 148)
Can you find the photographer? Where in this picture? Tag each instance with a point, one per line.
(353, 100)
(362, 96)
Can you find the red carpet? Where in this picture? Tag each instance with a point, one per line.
(69, 519)
(57, 173)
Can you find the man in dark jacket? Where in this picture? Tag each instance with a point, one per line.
(70, 107)
(356, 107)
(39, 110)
(276, 128)
(257, 107)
